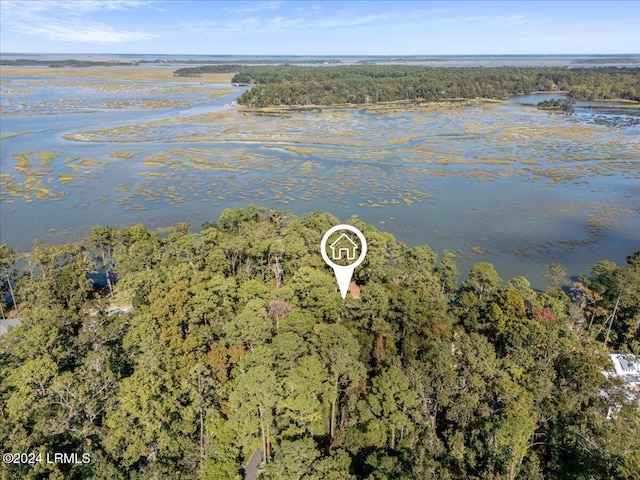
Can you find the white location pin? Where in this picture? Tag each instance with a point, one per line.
(343, 248)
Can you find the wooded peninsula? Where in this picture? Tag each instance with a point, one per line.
(286, 85)
(198, 349)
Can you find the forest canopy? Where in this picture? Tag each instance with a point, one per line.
(239, 342)
(286, 85)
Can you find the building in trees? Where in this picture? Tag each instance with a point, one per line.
(5, 323)
(626, 368)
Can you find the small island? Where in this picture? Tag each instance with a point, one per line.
(556, 104)
(286, 85)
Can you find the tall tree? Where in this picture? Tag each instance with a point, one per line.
(104, 239)
(7, 261)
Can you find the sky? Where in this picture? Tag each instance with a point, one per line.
(319, 27)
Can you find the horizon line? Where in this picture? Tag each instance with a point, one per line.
(331, 55)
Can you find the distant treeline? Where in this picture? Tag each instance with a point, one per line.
(286, 85)
(27, 62)
(220, 68)
(606, 60)
(181, 72)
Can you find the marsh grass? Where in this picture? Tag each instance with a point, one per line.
(38, 175)
(6, 136)
(126, 155)
(538, 148)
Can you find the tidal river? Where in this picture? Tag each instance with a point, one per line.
(501, 182)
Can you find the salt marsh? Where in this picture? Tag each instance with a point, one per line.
(499, 182)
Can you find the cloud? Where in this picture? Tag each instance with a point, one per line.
(260, 23)
(98, 5)
(27, 8)
(66, 20)
(282, 23)
(81, 33)
(308, 18)
(346, 21)
(489, 20)
(242, 24)
(273, 5)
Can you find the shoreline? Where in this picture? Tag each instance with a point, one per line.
(624, 102)
(408, 105)
(375, 107)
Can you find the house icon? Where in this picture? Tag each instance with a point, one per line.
(343, 248)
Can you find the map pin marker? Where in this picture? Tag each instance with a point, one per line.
(344, 249)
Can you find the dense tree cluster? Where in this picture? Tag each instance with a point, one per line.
(563, 104)
(218, 68)
(285, 85)
(606, 60)
(239, 341)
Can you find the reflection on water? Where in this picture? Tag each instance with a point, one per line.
(499, 182)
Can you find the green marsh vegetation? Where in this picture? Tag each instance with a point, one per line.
(126, 155)
(35, 177)
(238, 340)
(6, 136)
(531, 146)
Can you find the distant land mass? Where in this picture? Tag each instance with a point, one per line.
(450, 60)
(291, 85)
